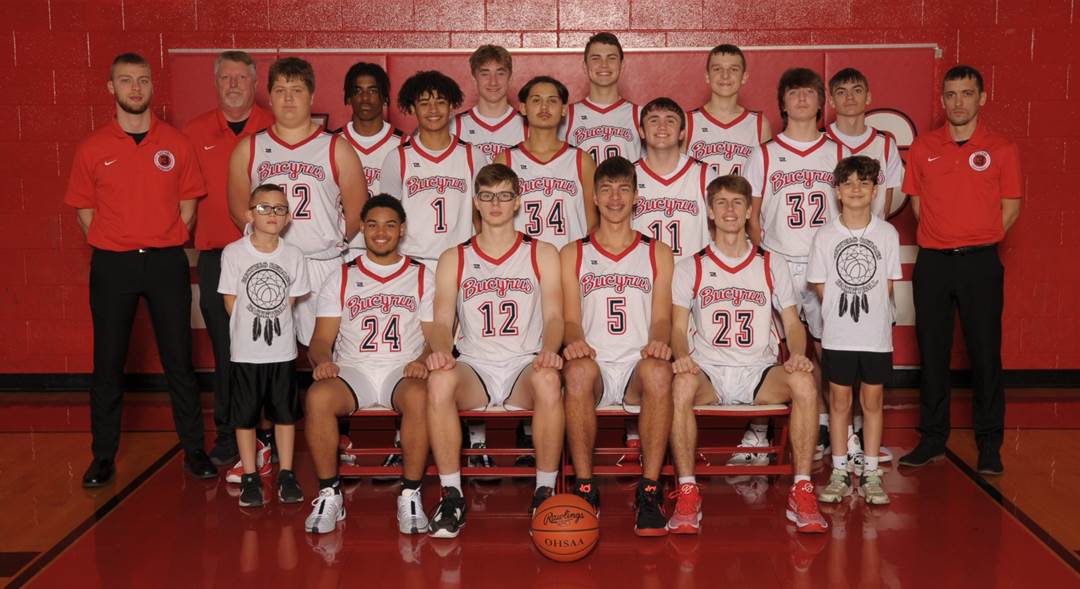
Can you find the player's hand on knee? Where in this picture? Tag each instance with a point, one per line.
(578, 349)
(415, 369)
(546, 359)
(325, 370)
(440, 361)
(798, 363)
(685, 365)
(656, 349)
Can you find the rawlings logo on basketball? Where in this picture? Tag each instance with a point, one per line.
(735, 295)
(702, 150)
(566, 518)
(472, 287)
(547, 186)
(440, 184)
(291, 169)
(979, 161)
(619, 282)
(383, 302)
(806, 178)
(668, 205)
(605, 132)
(164, 160)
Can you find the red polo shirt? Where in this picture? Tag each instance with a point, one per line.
(214, 142)
(135, 190)
(960, 188)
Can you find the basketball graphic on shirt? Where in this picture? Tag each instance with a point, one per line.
(856, 264)
(267, 289)
(267, 286)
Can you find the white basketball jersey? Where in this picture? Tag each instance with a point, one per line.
(732, 310)
(724, 147)
(307, 174)
(552, 195)
(879, 145)
(498, 303)
(673, 210)
(605, 131)
(380, 315)
(616, 297)
(798, 194)
(490, 137)
(437, 195)
(372, 152)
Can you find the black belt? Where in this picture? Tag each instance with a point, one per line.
(965, 250)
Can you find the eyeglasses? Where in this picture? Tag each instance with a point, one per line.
(265, 209)
(490, 196)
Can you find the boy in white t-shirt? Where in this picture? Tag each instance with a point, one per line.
(261, 276)
(854, 260)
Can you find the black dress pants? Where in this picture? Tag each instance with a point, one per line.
(212, 305)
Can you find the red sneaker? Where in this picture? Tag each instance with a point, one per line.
(687, 516)
(802, 509)
(262, 463)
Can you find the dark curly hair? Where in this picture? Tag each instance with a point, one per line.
(429, 82)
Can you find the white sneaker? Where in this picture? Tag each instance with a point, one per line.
(262, 464)
(411, 518)
(884, 455)
(750, 439)
(855, 458)
(328, 511)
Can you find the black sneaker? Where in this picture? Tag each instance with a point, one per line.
(539, 496)
(391, 461)
(449, 515)
(989, 462)
(923, 453)
(482, 461)
(650, 520)
(586, 489)
(251, 491)
(225, 451)
(288, 490)
(198, 464)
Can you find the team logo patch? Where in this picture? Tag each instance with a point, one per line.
(979, 161)
(164, 160)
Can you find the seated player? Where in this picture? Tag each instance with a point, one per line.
(617, 303)
(369, 351)
(730, 291)
(556, 178)
(507, 292)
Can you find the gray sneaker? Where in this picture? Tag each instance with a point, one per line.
(839, 487)
(328, 510)
(411, 518)
(871, 490)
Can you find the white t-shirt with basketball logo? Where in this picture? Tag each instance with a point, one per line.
(616, 290)
(673, 208)
(381, 308)
(724, 147)
(882, 147)
(794, 180)
(732, 306)
(307, 173)
(499, 302)
(604, 131)
(489, 135)
(261, 325)
(552, 195)
(856, 266)
(436, 189)
(372, 151)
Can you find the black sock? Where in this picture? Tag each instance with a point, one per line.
(409, 484)
(266, 435)
(331, 483)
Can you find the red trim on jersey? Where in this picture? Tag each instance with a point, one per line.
(457, 126)
(454, 143)
(468, 158)
(801, 153)
(490, 128)
(460, 262)
(697, 275)
(645, 167)
(704, 191)
(401, 165)
(764, 167)
(333, 159)
(506, 153)
(611, 256)
(854, 150)
(569, 122)
(533, 244)
(768, 273)
(888, 138)
(344, 282)
(251, 157)
(528, 154)
(729, 269)
(580, 177)
(606, 109)
(637, 123)
(760, 125)
(652, 258)
(580, 256)
(390, 132)
(291, 146)
(708, 116)
(505, 256)
(382, 279)
(419, 280)
(840, 150)
(690, 128)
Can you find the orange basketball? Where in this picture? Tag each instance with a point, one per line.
(565, 528)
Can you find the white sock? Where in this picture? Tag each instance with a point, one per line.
(632, 430)
(690, 479)
(857, 423)
(871, 463)
(801, 477)
(839, 462)
(546, 478)
(477, 433)
(452, 480)
(823, 419)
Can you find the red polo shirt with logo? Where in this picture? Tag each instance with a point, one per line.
(135, 190)
(960, 187)
(214, 142)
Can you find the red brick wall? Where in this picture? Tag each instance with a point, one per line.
(54, 56)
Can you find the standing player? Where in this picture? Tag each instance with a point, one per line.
(321, 176)
(670, 185)
(604, 124)
(215, 133)
(556, 179)
(492, 125)
(730, 289)
(508, 294)
(369, 350)
(367, 92)
(849, 95)
(722, 133)
(617, 305)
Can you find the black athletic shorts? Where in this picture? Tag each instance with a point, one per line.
(258, 387)
(845, 368)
